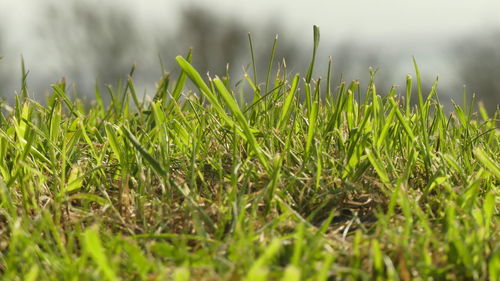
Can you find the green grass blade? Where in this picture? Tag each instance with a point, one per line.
(113, 141)
(402, 120)
(408, 96)
(287, 107)
(487, 162)
(242, 121)
(271, 60)
(292, 273)
(144, 153)
(93, 247)
(205, 90)
(253, 59)
(176, 93)
(378, 165)
(264, 259)
(315, 47)
(313, 116)
(422, 114)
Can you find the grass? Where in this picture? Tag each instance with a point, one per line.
(306, 182)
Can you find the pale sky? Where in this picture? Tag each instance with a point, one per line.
(381, 19)
(364, 19)
(396, 23)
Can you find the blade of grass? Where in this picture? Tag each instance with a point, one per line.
(243, 123)
(313, 115)
(93, 248)
(271, 60)
(287, 107)
(487, 162)
(144, 153)
(315, 47)
(206, 91)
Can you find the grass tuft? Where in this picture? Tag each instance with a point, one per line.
(306, 182)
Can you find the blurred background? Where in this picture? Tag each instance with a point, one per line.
(96, 42)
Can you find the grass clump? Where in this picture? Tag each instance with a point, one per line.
(306, 182)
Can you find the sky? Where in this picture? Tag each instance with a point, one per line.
(368, 19)
(411, 28)
(364, 19)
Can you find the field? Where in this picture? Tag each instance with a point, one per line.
(307, 181)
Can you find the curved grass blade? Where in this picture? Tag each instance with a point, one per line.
(271, 60)
(93, 246)
(315, 47)
(152, 161)
(256, 270)
(287, 107)
(313, 115)
(205, 90)
(487, 162)
(113, 140)
(378, 165)
(182, 78)
(242, 121)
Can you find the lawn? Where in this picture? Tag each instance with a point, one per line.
(307, 180)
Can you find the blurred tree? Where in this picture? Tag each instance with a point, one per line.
(354, 61)
(218, 41)
(215, 40)
(91, 42)
(478, 64)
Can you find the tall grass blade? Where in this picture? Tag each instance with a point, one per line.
(287, 107)
(487, 162)
(315, 47)
(93, 248)
(242, 121)
(144, 153)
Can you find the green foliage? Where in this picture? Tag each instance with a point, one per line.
(304, 183)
